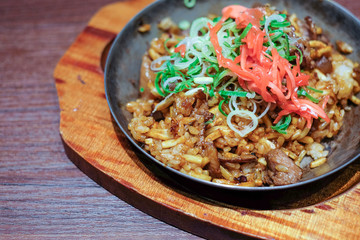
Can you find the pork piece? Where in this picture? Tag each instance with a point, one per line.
(214, 164)
(201, 113)
(324, 65)
(201, 107)
(158, 116)
(281, 169)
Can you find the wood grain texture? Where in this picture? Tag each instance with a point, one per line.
(42, 194)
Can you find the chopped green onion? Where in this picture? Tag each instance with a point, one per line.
(312, 98)
(215, 20)
(211, 91)
(210, 121)
(220, 77)
(291, 58)
(179, 87)
(165, 88)
(226, 44)
(189, 3)
(314, 89)
(302, 92)
(301, 55)
(283, 124)
(194, 70)
(194, 65)
(203, 80)
(227, 33)
(224, 93)
(184, 25)
(246, 31)
(170, 68)
(204, 87)
(277, 35)
(235, 30)
(234, 55)
(179, 73)
(175, 55)
(215, 67)
(165, 46)
(157, 85)
(229, 20)
(183, 85)
(220, 107)
(142, 89)
(203, 31)
(238, 42)
(276, 24)
(262, 22)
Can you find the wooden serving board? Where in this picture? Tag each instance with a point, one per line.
(96, 145)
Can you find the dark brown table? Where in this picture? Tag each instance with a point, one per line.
(42, 193)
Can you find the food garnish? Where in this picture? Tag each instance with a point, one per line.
(189, 3)
(251, 48)
(242, 98)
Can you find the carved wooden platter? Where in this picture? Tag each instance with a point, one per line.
(96, 145)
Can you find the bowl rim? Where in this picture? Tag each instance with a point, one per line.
(236, 188)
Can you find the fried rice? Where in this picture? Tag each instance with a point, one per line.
(200, 132)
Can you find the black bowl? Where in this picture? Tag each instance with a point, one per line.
(123, 69)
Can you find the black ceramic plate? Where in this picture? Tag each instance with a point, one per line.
(123, 69)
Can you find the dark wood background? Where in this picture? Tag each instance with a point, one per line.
(42, 193)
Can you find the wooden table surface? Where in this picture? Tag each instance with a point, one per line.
(42, 193)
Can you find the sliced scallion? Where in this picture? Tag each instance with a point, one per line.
(314, 89)
(213, 66)
(194, 70)
(220, 108)
(276, 24)
(157, 84)
(246, 31)
(224, 93)
(203, 80)
(215, 20)
(302, 92)
(184, 25)
(189, 3)
(283, 124)
(210, 121)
